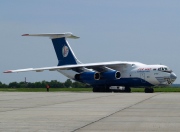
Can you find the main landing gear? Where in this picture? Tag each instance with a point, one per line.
(107, 89)
(101, 89)
(149, 90)
(118, 90)
(127, 90)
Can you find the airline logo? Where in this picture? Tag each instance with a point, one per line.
(65, 51)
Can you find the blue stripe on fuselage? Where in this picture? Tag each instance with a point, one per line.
(131, 82)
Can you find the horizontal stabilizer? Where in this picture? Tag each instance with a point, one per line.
(54, 35)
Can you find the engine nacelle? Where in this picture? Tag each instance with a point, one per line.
(88, 76)
(111, 75)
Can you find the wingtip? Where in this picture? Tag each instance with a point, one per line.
(25, 35)
(7, 71)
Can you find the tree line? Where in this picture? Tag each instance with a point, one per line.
(43, 84)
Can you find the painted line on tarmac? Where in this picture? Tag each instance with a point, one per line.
(115, 113)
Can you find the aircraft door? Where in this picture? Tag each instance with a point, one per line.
(142, 76)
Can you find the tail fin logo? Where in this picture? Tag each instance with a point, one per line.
(65, 51)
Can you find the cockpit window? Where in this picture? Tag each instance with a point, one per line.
(164, 69)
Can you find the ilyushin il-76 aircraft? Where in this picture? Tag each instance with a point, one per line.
(103, 76)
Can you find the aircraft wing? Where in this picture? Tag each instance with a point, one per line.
(95, 66)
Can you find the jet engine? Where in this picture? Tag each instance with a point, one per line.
(111, 75)
(88, 76)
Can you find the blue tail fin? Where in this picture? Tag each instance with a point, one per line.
(64, 52)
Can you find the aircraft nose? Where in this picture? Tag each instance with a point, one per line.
(173, 76)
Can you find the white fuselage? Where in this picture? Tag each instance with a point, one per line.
(153, 74)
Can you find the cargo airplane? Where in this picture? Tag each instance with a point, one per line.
(103, 76)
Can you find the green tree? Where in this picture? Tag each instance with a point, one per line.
(22, 84)
(30, 85)
(14, 85)
(38, 85)
(68, 83)
(1, 84)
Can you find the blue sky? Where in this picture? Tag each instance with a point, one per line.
(112, 30)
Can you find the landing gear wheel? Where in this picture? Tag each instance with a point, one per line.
(95, 89)
(107, 89)
(127, 90)
(101, 89)
(152, 90)
(149, 90)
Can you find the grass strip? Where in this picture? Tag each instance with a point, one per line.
(165, 89)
